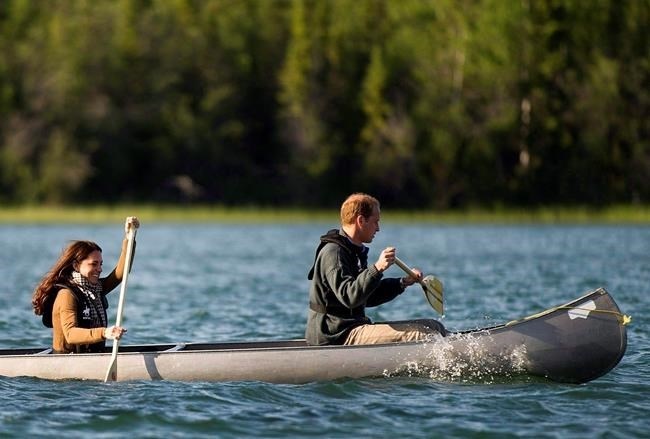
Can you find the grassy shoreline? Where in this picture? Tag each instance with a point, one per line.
(218, 214)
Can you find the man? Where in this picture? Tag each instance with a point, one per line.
(343, 284)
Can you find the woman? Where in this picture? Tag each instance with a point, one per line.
(72, 297)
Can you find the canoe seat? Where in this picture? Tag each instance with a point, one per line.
(178, 347)
(44, 352)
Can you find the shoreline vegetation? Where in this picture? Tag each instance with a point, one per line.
(422, 103)
(151, 214)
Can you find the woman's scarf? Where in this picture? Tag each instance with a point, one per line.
(94, 293)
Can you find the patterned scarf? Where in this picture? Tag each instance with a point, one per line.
(94, 293)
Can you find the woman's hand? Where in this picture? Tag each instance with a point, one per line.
(131, 222)
(114, 332)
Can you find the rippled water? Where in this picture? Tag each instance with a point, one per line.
(218, 282)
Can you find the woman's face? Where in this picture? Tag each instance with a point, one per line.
(91, 267)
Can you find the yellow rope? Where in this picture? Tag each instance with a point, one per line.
(623, 319)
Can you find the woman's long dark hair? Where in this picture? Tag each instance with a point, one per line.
(62, 270)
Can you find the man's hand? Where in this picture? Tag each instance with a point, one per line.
(386, 259)
(407, 281)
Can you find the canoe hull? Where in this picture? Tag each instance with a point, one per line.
(575, 343)
(554, 344)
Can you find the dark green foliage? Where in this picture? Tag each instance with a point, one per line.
(441, 103)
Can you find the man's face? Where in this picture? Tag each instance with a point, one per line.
(368, 227)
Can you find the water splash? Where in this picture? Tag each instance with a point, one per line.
(465, 358)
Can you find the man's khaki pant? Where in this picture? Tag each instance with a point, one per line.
(389, 332)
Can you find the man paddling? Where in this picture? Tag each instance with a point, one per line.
(343, 285)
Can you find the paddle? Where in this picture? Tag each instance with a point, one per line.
(430, 284)
(111, 373)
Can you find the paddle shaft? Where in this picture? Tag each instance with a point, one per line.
(407, 270)
(432, 289)
(111, 373)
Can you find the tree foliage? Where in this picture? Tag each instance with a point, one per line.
(424, 103)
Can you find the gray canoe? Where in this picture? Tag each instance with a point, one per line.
(574, 343)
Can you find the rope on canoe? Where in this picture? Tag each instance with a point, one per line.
(623, 319)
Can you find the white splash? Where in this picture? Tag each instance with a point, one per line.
(465, 358)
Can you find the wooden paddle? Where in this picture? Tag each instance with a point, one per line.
(430, 284)
(111, 373)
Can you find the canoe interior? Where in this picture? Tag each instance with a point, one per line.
(300, 343)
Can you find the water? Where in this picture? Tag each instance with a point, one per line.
(243, 282)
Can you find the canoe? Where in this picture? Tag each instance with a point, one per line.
(573, 343)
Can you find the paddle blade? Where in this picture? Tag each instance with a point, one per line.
(111, 373)
(433, 289)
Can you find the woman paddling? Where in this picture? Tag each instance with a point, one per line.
(71, 297)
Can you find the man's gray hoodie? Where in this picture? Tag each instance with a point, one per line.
(342, 286)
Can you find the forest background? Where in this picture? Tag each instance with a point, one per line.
(295, 103)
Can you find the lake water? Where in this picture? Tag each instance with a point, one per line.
(219, 282)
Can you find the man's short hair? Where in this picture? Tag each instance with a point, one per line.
(358, 204)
